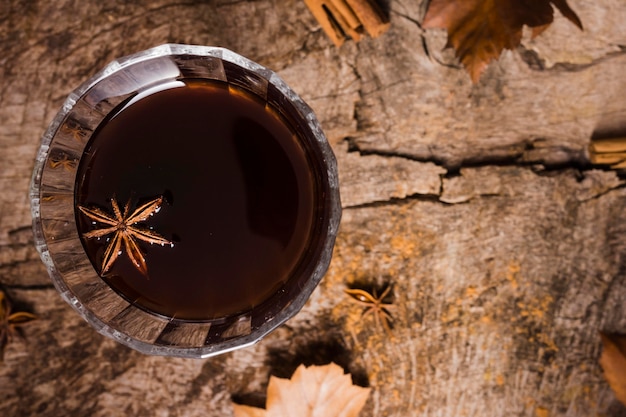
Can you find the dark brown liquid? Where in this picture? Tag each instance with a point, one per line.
(238, 199)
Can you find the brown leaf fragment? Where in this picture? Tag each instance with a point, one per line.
(316, 391)
(479, 30)
(613, 362)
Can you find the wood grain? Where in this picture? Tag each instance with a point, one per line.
(504, 246)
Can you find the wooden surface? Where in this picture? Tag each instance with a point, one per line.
(505, 247)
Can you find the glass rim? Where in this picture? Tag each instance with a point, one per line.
(55, 233)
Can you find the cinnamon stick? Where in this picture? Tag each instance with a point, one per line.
(348, 19)
(371, 16)
(609, 151)
(609, 145)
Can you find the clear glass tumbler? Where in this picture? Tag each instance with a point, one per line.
(185, 201)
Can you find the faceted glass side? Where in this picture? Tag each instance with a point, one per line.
(52, 202)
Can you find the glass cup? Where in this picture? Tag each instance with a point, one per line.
(164, 235)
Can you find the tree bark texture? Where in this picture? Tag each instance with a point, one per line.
(505, 248)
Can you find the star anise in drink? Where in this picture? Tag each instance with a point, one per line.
(123, 226)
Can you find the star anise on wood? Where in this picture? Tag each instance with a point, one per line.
(374, 305)
(125, 231)
(10, 322)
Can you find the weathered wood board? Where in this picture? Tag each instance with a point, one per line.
(504, 246)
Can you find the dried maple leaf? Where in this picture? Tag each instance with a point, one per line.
(613, 362)
(480, 29)
(316, 391)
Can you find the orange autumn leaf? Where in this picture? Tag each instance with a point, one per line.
(613, 362)
(247, 411)
(480, 29)
(316, 391)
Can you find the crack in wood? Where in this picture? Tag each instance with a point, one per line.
(519, 157)
(537, 63)
(29, 287)
(576, 165)
(395, 201)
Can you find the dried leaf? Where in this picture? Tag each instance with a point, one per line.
(316, 391)
(374, 305)
(613, 362)
(480, 29)
(247, 411)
